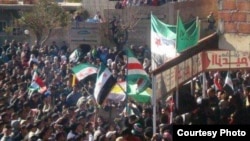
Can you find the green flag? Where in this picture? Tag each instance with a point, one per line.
(142, 97)
(186, 37)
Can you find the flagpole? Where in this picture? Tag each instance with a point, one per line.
(126, 91)
(177, 88)
(177, 68)
(204, 86)
(192, 81)
(176, 43)
(199, 29)
(122, 88)
(86, 90)
(153, 101)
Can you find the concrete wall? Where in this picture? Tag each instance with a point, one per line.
(140, 34)
(234, 17)
(92, 6)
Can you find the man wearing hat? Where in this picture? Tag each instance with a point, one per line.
(138, 130)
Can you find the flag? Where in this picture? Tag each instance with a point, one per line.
(228, 85)
(37, 84)
(84, 70)
(142, 97)
(74, 56)
(94, 53)
(186, 37)
(136, 74)
(104, 83)
(163, 38)
(118, 92)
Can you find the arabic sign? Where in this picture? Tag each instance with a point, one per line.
(197, 64)
(209, 60)
(178, 74)
(165, 82)
(225, 60)
(169, 78)
(184, 70)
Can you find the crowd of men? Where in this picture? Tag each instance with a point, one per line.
(64, 112)
(69, 113)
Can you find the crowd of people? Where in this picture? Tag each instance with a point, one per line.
(65, 112)
(69, 113)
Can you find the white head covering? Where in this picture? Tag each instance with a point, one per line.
(110, 134)
(109, 62)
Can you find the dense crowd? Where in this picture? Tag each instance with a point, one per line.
(65, 112)
(69, 113)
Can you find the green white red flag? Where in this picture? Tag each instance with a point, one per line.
(136, 74)
(37, 84)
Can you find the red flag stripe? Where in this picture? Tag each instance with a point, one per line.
(134, 66)
(39, 81)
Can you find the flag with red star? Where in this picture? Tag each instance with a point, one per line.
(83, 70)
(104, 83)
(163, 38)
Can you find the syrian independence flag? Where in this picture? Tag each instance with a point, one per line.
(228, 85)
(82, 71)
(136, 73)
(104, 83)
(74, 56)
(37, 84)
(163, 38)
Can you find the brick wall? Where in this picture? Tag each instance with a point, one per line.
(235, 16)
